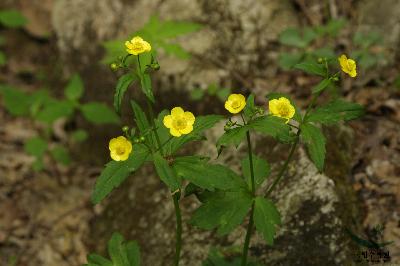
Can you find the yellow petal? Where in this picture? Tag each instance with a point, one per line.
(272, 104)
(174, 132)
(187, 129)
(189, 117)
(292, 111)
(167, 121)
(177, 111)
(136, 39)
(114, 156)
(124, 156)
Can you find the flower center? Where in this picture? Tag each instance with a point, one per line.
(180, 123)
(235, 104)
(284, 110)
(137, 46)
(120, 150)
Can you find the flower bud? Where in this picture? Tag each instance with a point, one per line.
(125, 129)
(114, 66)
(227, 128)
(320, 60)
(141, 139)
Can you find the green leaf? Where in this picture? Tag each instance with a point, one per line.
(35, 146)
(223, 93)
(292, 37)
(266, 218)
(315, 142)
(312, 68)
(133, 252)
(75, 88)
(79, 135)
(12, 18)
(224, 210)
(145, 82)
(172, 29)
(116, 172)
(336, 111)
(142, 123)
(233, 136)
(113, 50)
(197, 94)
(166, 173)
(287, 60)
(15, 101)
(201, 124)
(321, 86)
(98, 260)
(175, 50)
(272, 126)
(262, 169)
(205, 175)
(123, 83)
(61, 155)
(99, 113)
(117, 250)
(249, 110)
(3, 59)
(54, 110)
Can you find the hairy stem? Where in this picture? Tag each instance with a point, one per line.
(253, 191)
(178, 244)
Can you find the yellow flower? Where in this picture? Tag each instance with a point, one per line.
(137, 46)
(282, 108)
(235, 103)
(348, 65)
(179, 122)
(120, 148)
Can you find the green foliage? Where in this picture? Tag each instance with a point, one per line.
(53, 110)
(166, 173)
(266, 218)
(216, 258)
(159, 34)
(12, 18)
(321, 86)
(335, 111)
(122, 253)
(315, 142)
(15, 101)
(364, 53)
(201, 124)
(116, 172)
(99, 113)
(249, 110)
(222, 94)
(223, 210)
(3, 59)
(311, 68)
(233, 136)
(272, 126)
(36, 147)
(79, 135)
(146, 86)
(74, 89)
(262, 169)
(205, 175)
(61, 155)
(123, 83)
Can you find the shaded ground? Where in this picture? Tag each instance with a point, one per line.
(45, 217)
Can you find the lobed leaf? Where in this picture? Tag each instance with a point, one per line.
(321, 86)
(315, 144)
(336, 111)
(262, 169)
(117, 250)
(311, 68)
(122, 85)
(75, 88)
(266, 218)
(12, 18)
(233, 136)
(166, 173)
(272, 126)
(99, 113)
(205, 175)
(116, 172)
(223, 210)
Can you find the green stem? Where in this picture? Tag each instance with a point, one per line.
(253, 191)
(178, 244)
(248, 236)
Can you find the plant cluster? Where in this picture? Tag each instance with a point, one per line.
(227, 197)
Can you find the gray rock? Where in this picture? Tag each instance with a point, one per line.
(315, 209)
